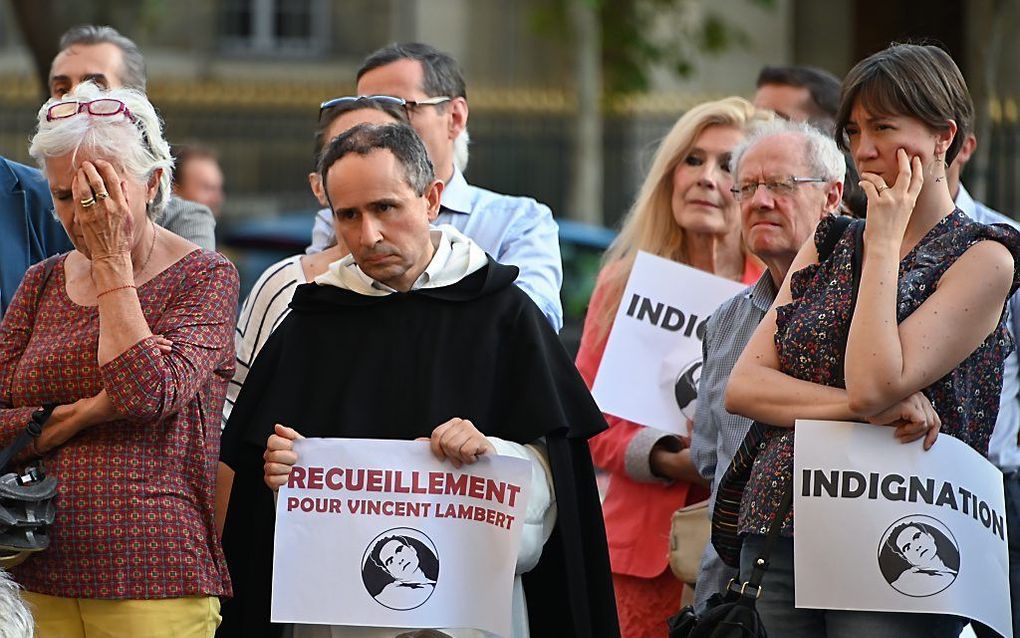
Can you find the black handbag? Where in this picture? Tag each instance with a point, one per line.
(27, 508)
(732, 613)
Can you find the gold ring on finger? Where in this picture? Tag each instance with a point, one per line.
(883, 188)
(102, 195)
(90, 201)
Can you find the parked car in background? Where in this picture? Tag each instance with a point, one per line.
(254, 245)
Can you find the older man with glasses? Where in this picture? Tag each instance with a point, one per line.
(519, 231)
(788, 177)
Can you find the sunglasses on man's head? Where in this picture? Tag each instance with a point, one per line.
(407, 105)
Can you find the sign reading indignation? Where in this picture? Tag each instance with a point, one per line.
(382, 534)
(652, 363)
(897, 487)
(885, 526)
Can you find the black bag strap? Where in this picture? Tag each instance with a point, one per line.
(40, 416)
(856, 263)
(31, 432)
(832, 237)
(761, 563)
(48, 265)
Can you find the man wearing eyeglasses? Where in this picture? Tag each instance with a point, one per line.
(514, 230)
(348, 362)
(808, 94)
(104, 56)
(788, 176)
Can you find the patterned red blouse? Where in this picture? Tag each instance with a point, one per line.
(135, 496)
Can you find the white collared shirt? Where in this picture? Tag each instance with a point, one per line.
(455, 257)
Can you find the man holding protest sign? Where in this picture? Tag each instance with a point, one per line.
(777, 216)
(418, 334)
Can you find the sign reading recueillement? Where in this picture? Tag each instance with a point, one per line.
(373, 533)
(885, 526)
(652, 363)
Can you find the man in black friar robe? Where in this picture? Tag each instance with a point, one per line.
(417, 333)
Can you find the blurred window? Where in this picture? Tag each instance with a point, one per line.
(298, 27)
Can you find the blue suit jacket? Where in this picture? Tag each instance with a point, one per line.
(28, 231)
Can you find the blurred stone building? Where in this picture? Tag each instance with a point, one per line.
(246, 77)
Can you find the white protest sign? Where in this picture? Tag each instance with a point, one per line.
(652, 363)
(373, 533)
(885, 526)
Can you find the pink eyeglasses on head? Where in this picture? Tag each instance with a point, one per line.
(101, 107)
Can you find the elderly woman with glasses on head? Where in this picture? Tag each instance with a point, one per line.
(130, 337)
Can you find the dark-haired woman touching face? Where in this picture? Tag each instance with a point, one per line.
(922, 350)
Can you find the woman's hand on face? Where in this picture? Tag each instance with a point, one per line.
(460, 441)
(913, 418)
(280, 456)
(106, 225)
(889, 207)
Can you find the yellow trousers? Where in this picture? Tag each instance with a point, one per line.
(56, 617)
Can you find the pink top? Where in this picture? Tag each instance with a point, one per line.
(135, 496)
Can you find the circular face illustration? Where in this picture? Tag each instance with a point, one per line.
(919, 556)
(400, 568)
(686, 388)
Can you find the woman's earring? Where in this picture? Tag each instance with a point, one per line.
(940, 161)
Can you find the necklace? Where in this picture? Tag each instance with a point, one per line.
(152, 247)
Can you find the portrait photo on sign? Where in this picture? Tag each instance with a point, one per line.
(400, 568)
(686, 388)
(919, 556)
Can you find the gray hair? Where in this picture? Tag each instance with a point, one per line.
(398, 138)
(134, 142)
(460, 150)
(820, 151)
(17, 619)
(134, 64)
(441, 74)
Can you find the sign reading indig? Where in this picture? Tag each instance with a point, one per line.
(652, 363)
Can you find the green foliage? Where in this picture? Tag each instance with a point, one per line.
(635, 38)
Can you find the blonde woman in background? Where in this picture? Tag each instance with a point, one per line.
(684, 212)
